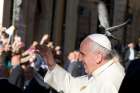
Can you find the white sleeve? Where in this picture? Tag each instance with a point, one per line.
(59, 79)
(108, 87)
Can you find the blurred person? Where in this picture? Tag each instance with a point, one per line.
(31, 49)
(17, 44)
(57, 52)
(2, 67)
(75, 67)
(6, 51)
(29, 78)
(5, 85)
(17, 49)
(104, 72)
(137, 47)
(4, 38)
(130, 54)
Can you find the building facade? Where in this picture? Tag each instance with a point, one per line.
(69, 21)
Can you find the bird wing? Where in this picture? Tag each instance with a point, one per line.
(103, 15)
(117, 26)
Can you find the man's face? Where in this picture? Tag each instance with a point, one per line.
(87, 57)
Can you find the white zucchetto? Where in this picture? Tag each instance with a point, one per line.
(101, 40)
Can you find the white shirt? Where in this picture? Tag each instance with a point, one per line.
(132, 54)
(106, 79)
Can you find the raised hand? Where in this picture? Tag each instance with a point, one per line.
(47, 54)
(44, 39)
(73, 56)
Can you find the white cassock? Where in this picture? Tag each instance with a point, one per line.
(106, 79)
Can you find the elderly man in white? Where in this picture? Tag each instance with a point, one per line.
(106, 73)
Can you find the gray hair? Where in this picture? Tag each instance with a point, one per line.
(108, 54)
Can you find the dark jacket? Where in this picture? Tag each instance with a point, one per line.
(6, 87)
(16, 77)
(131, 80)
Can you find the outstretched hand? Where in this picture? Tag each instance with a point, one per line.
(47, 54)
(74, 56)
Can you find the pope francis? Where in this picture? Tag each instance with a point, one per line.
(104, 72)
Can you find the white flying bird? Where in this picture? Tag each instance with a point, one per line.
(103, 18)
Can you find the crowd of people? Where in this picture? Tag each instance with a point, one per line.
(24, 68)
(95, 68)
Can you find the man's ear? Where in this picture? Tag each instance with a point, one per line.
(99, 58)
